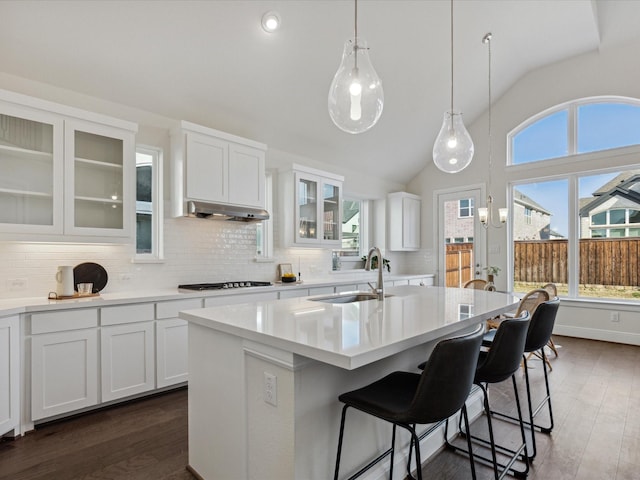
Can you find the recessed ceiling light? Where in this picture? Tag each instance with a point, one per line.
(270, 22)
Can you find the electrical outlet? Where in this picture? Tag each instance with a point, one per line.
(270, 389)
(615, 317)
(16, 284)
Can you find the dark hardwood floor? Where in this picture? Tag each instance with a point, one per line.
(144, 439)
(596, 399)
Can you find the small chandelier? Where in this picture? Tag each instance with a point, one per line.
(453, 149)
(485, 214)
(355, 96)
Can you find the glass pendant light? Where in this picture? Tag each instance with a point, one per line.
(453, 149)
(355, 96)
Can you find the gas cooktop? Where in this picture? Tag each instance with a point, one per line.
(223, 285)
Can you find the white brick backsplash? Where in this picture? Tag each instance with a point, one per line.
(196, 250)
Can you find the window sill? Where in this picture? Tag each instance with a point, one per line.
(264, 260)
(149, 260)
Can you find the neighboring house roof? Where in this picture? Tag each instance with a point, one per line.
(351, 209)
(553, 233)
(620, 186)
(522, 199)
(614, 182)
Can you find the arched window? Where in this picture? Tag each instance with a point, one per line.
(574, 226)
(581, 126)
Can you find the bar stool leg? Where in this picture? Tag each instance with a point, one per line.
(466, 427)
(344, 412)
(531, 423)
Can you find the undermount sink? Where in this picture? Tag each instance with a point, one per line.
(348, 297)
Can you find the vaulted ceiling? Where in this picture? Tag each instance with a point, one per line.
(211, 63)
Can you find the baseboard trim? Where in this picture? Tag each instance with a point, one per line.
(614, 336)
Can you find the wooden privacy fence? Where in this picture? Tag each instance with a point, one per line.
(459, 264)
(602, 261)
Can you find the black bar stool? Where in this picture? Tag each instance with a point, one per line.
(538, 335)
(494, 366)
(406, 399)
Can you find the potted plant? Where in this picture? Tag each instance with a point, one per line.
(491, 272)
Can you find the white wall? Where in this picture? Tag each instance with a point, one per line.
(606, 72)
(195, 251)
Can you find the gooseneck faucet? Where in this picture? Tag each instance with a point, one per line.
(367, 266)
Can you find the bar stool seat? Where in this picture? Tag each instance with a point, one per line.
(406, 399)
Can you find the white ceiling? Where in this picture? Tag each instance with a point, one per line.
(210, 62)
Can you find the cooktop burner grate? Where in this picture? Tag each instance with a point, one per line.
(224, 285)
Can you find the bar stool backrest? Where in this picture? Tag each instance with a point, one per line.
(551, 289)
(531, 300)
(541, 325)
(446, 380)
(476, 283)
(503, 358)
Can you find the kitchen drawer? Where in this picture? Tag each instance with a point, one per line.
(48, 322)
(294, 293)
(172, 308)
(322, 290)
(140, 312)
(346, 288)
(235, 299)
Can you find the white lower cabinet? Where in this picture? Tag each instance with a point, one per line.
(64, 372)
(127, 360)
(9, 374)
(172, 365)
(172, 342)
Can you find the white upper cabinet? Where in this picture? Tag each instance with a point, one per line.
(403, 220)
(31, 152)
(312, 207)
(213, 166)
(67, 175)
(99, 162)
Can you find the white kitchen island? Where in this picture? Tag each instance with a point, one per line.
(264, 377)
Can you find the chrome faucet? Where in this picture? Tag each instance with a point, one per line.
(367, 266)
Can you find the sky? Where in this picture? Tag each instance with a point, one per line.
(600, 126)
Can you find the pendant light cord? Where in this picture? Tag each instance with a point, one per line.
(451, 57)
(355, 34)
(487, 39)
(355, 22)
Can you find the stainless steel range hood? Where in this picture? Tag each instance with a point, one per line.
(220, 211)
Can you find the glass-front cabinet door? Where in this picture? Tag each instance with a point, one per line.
(31, 171)
(98, 162)
(331, 210)
(317, 210)
(306, 209)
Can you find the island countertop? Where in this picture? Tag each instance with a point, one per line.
(351, 335)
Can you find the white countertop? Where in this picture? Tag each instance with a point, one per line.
(354, 334)
(13, 306)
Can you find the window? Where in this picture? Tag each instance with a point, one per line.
(148, 204)
(350, 228)
(355, 232)
(599, 124)
(465, 208)
(527, 215)
(543, 139)
(580, 230)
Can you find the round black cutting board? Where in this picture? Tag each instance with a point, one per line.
(90, 273)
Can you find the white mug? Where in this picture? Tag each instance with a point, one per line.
(64, 277)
